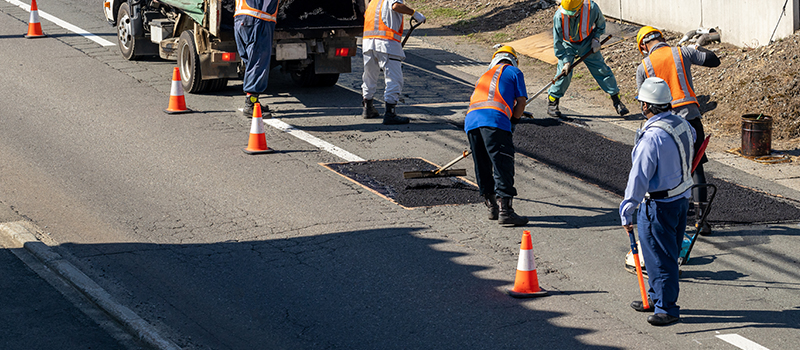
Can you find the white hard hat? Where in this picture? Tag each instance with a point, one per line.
(655, 91)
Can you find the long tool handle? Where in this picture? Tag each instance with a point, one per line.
(700, 152)
(635, 251)
(454, 161)
(563, 74)
(413, 26)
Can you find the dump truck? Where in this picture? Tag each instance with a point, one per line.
(314, 40)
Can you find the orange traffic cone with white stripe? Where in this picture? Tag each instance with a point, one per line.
(526, 284)
(177, 103)
(258, 141)
(34, 27)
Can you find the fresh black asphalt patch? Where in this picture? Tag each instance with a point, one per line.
(385, 177)
(605, 163)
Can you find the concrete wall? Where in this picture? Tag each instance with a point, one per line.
(740, 22)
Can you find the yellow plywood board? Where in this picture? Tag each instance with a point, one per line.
(539, 46)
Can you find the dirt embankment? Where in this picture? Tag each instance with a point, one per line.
(748, 81)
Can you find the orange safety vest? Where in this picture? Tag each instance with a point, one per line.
(584, 28)
(668, 65)
(374, 28)
(242, 8)
(487, 95)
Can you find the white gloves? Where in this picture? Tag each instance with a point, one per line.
(595, 45)
(565, 69)
(419, 17)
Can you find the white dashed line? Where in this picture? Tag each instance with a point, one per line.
(64, 24)
(741, 342)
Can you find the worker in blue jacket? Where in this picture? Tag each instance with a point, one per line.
(660, 184)
(577, 27)
(254, 25)
(495, 107)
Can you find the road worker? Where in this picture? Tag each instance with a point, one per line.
(254, 24)
(577, 27)
(674, 64)
(659, 184)
(383, 31)
(495, 107)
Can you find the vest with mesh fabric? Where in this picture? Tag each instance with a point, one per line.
(584, 29)
(375, 28)
(487, 92)
(242, 8)
(667, 63)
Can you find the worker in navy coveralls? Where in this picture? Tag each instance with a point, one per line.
(254, 24)
(496, 105)
(660, 183)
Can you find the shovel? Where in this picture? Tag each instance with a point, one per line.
(441, 172)
(413, 26)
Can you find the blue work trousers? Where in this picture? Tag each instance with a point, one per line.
(597, 67)
(493, 155)
(661, 226)
(254, 42)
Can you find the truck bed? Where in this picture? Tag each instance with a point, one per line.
(320, 14)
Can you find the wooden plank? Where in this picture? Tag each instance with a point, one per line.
(539, 46)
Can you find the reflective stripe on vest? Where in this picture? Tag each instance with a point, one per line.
(660, 63)
(487, 95)
(678, 129)
(242, 8)
(584, 28)
(374, 28)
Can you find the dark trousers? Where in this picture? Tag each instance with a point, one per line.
(661, 227)
(699, 194)
(493, 155)
(254, 43)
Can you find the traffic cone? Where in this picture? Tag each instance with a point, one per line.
(34, 27)
(258, 141)
(526, 285)
(177, 104)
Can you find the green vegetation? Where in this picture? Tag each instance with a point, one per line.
(448, 13)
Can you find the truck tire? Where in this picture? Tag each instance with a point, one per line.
(189, 64)
(130, 46)
(306, 77)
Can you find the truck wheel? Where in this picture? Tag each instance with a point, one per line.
(189, 64)
(129, 45)
(306, 77)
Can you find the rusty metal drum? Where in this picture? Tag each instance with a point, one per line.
(756, 135)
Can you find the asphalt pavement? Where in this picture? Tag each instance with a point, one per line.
(218, 249)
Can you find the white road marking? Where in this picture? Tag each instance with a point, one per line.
(63, 24)
(741, 342)
(323, 145)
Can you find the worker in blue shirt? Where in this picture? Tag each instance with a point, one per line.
(495, 107)
(577, 27)
(659, 184)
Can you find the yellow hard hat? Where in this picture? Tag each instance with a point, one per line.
(646, 34)
(570, 7)
(507, 49)
(504, 53)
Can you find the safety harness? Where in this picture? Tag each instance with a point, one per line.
(678, 129)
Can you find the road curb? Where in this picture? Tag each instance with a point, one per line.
(125, 316)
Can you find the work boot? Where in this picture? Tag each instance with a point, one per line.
(250, 104)
(391, 118)
(491, 203)
(369, 110)
(619, 106)
(507, 217)
(700, 209)
(552, 107)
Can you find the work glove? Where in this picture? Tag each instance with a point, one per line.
(595, 45)
(565, 68)
(419, 17)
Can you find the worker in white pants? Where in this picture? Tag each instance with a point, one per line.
(382, 50)
(374, 62)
